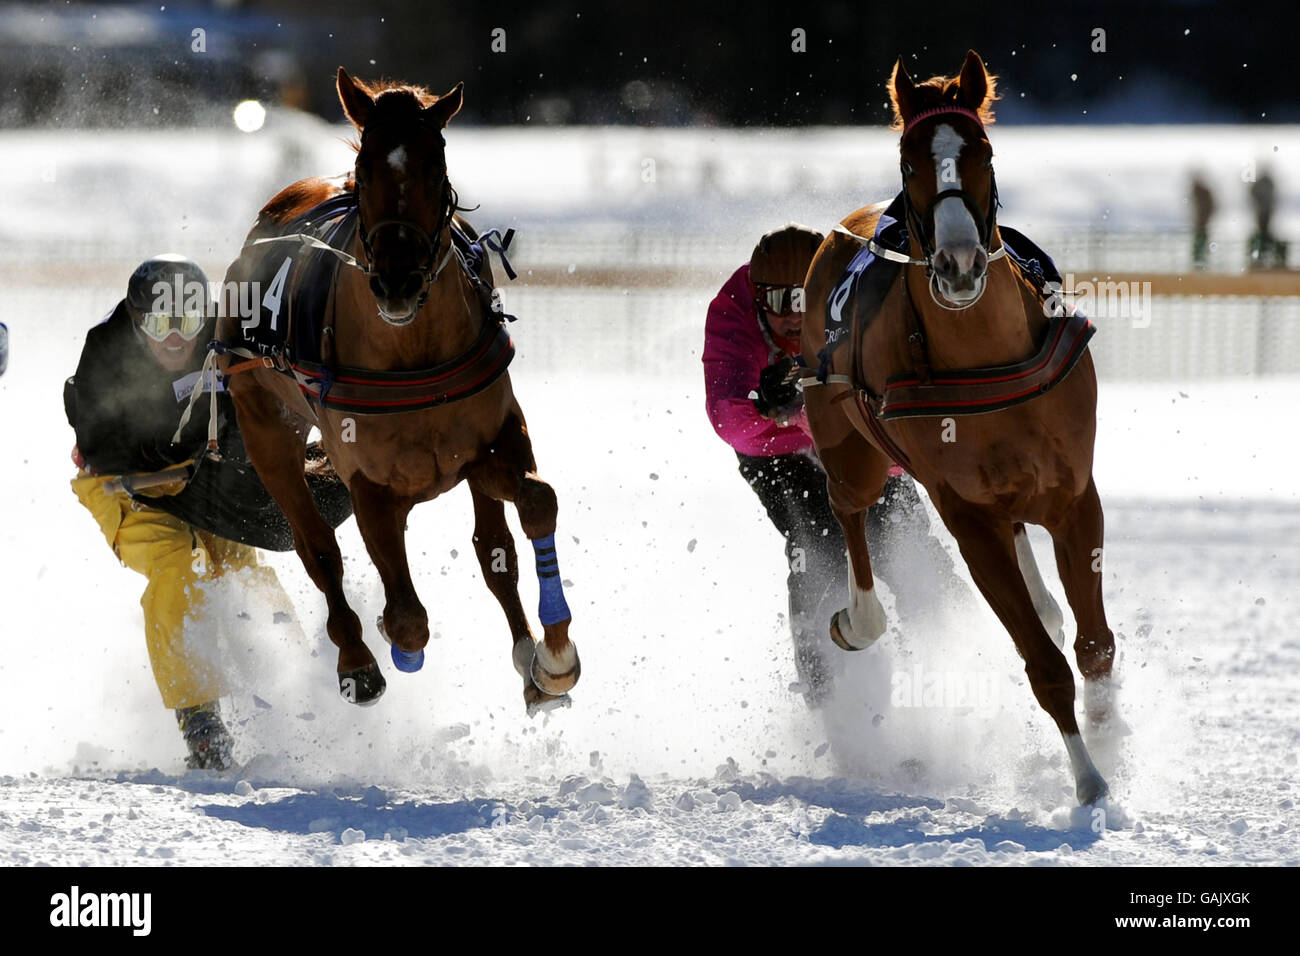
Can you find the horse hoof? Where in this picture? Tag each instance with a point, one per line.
(1090, 789)
(837, 633)
(363, 686)
(542, 703)
(407, 663)
(546, 672)
(522, 656)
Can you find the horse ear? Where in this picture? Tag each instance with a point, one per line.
(900, 93)
(357, 103)
(446, 106)
(974, 81)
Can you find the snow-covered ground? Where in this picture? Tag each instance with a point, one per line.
(685, 744)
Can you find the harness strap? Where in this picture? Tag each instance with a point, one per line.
(863, 412)
(311, 241)
(979, 390)
(262, 361)
(893, 255)
(207, 381)
(366, 391)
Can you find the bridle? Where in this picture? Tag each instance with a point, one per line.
(917, 223)
(430, 268)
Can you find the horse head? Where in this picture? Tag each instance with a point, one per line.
(947, 167)
(405, 200)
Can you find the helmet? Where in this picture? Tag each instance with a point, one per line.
(782, 257)
(153, 296)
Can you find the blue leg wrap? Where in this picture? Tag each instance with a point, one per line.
(552, 607)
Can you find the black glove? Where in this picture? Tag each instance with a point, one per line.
(778, 396)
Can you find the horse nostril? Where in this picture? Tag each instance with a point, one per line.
(378, 287)
(945, 264)
(981, 263)
(411, 284)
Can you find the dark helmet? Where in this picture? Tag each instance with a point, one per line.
(143, 296)
(782, 257)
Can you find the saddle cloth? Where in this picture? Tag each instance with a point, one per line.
(293, 282)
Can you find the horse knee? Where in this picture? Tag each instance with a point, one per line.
(1095, 655)
(1052, 681)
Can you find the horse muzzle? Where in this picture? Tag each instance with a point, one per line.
(960, 274)
(398, 301)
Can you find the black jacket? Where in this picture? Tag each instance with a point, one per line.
(124, 408)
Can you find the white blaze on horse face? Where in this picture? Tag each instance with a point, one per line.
(954, 230)
(397, 160)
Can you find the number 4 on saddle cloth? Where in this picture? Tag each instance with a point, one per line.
(288, 324)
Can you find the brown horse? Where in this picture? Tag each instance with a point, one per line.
(1026, 457)
(402, 323)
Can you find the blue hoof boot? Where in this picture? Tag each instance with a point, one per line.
(407, 663)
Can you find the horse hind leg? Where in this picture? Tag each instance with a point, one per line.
(495, 547)
(556, 667)
(1078, 541)
(1049, 612)
(277, 448)
(989, 549)
(508, 473)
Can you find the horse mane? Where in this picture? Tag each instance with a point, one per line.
(942, 91)
(377, 88)
(296, 199)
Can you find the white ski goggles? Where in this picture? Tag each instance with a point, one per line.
(159, 325)
(778, 299)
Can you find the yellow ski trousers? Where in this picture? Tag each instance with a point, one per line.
(173, 556)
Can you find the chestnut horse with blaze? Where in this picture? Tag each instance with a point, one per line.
(397, 313)
(970, 328)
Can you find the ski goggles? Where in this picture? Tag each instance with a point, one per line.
(159, 325)
(777, 299)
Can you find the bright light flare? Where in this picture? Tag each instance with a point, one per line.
(250, 115)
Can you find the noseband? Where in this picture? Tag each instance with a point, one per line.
(430, 268)
(917, 222)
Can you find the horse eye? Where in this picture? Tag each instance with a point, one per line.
(907, 169)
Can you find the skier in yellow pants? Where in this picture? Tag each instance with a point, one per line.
(180, 518)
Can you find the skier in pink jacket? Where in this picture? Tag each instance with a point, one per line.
(750, 339)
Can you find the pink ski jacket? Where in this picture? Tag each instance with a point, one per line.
(735, 352)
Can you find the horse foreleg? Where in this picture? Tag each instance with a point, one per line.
(1078, 540)
(856, 472)
(381, 519)
(277, 450)
(1049, 612)
(988, 546)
